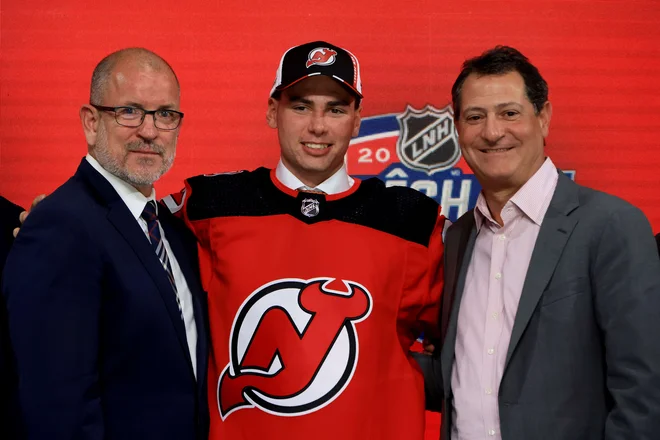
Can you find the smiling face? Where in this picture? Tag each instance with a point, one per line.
(315, 120)
(140, 155)
(500, 134)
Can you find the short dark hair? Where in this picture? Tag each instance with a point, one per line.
(501, 60)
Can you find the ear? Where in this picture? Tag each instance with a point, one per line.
(271, 112)
(358, 121)
(544, 118)
(90, 118)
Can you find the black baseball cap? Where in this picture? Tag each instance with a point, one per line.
(318, 58)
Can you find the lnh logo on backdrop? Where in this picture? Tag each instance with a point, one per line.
(419, 149)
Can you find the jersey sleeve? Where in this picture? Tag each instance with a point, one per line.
(429, 315)
(419, 310)
(175, 202)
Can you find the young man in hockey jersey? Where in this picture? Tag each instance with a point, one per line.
(318, 283)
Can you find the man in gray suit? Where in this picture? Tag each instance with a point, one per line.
(551, 309)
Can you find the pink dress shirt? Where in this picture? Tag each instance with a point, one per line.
(490, 299)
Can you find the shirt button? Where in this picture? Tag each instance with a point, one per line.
(489, 391)
(495, 315)
(491, 351)
(502, 237)
(491, 432)
(498, 276)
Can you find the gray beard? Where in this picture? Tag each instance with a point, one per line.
(136, 179)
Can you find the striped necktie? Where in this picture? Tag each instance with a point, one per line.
(149, 215)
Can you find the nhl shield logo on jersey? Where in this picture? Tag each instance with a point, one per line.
(310, 207)
(293, 347)
(428, 140)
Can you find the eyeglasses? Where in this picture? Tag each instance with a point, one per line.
(134, 116)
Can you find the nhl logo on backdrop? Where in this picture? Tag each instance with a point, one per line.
(428, 140)
(310, 208)
(321, 56)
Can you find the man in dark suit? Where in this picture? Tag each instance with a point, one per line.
(551, 306)
(106, 312)
(657, 240)
(9, 213)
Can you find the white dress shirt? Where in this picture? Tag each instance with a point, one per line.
(337, 183)
(135, 202)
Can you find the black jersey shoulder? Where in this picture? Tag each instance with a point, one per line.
(396, 210)
(247, 193)
(399, 211)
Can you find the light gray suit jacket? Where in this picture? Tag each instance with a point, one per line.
(583, 361)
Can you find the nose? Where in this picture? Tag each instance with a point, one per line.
(317, 124)
(493, 130)
(148, 128)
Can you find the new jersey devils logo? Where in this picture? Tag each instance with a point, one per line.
(293, 347)
(321, 56)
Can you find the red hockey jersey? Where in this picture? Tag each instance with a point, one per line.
(314, 301)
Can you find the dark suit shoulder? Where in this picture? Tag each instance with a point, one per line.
(69, 200)
(601, 201)
(602, 210)
(72, 209)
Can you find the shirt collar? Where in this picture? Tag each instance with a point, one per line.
(532, 199)
(134, 199)
(335, 184)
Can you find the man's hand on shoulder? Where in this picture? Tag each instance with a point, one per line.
(23, 215)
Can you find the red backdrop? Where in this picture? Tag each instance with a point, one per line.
(600, 57)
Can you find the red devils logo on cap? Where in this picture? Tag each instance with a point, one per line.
(321, 56)
(293, 347)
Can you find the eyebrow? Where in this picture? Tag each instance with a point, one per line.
(135, 104)
(498, 106)
(339, 102)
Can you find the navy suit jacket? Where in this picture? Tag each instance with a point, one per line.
(100, 346)
(8, 416)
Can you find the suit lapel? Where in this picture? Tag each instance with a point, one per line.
(189, 265)
(459, 245)
(555, 230)
(123, 221)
